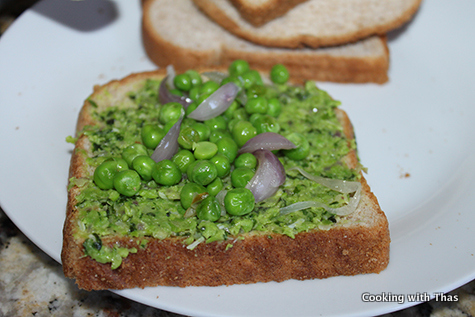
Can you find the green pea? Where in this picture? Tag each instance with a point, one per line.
(232, 79)
(143, 165)
(121, 163)
(187, 137)
(228, 147)
(151, 135)
(127, 182)
(256, 91)
(202, 98)
(191, 107)
(209, 87)
(195, 77)
(229, 112)
(242, 132)
(251, 77)
(279, 74)
(238, 67)
(166, 173)
(223, 166)
(266, 123)
(215, 187)
(104, 174)
(256, 105)
(132, 151)
(239, 201)
(254, 118)
(187, 122)
(170, 112)
(169, 125)
(232, 123)
(209, 209)
(203, 130)
(246, 160)
(274, 107)
(303, 147)
(205, 150)
(240, 114)
(176, 92)
(183, 159)
(182, 82)
(217, 134)
(240, 176)
(202, 172)
(194, 94)
(188, 193)
(216, 123)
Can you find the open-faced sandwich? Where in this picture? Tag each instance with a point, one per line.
(207, 179)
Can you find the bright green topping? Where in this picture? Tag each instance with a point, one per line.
(105, 254)
(199, 194)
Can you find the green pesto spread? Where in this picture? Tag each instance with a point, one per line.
(155, 211)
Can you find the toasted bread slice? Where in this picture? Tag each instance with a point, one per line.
(356, 244)
(316, 23)
(167, 42)
(260, 12)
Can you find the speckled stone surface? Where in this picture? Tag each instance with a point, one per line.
(33, 284)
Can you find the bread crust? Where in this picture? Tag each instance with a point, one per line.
(359, 245)
(318, 65)
(261, 14)
(299, 39)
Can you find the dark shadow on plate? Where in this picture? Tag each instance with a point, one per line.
(81, 15)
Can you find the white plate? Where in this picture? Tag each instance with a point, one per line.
(415, 134)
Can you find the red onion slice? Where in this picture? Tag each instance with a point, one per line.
(270, 174)
(340, 211)
(170, 76)
(168, 146)
(217, 103)
(218, 77)
(342, 186)
(267, 141)
(338, 185)
(165, 96)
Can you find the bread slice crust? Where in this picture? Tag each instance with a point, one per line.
(361, 62)
(315, 23)
(357, 246)
(260, 13)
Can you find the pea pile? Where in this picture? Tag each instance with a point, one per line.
(207, 158)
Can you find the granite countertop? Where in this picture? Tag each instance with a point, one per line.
(33, 284)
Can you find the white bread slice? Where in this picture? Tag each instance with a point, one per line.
(357, 244)
(196, 41)
(259, 12)
(316, 23)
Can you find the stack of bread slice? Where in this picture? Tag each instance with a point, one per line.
(322, 40)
